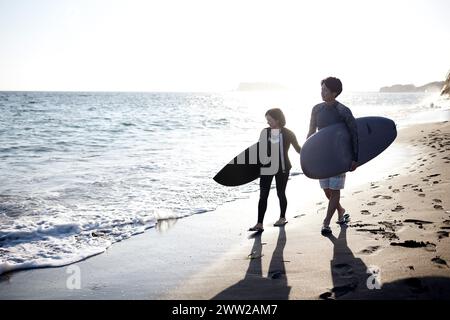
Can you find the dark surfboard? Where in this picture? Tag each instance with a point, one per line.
(235, 174)
(328, 152)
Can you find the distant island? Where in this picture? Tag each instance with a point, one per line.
(429, 87)
(260, 86)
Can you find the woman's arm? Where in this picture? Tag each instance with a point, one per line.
(312, 123)
(295, 143)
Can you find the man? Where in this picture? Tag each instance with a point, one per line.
(323, 115)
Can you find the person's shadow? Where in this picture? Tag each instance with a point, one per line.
(348, 272)
(255, 286)
(353, 279)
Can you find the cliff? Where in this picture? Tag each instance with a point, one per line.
(435, 86)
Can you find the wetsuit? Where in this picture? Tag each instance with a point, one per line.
(287, 137)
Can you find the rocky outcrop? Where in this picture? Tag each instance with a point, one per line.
(429, 87)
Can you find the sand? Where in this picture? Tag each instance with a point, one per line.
(396, 245)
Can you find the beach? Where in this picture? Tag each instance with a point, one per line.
(396, 245)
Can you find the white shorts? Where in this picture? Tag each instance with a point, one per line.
(333, 183)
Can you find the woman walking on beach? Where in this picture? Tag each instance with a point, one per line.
(277, 133)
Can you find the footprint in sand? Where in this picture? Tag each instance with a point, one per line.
(434, 175)
(438, 207)
(415, 244)
(276, 274)
(371, 203)
(320, 209)
(299, 215)
(396, 190)
(381, 196)
(391, 225)
(421, 194)
(370, 249)
(365, 212)
(442, 234)
(437, 200)
(438, 260)
(397, 208)
(360, 225)
(418, 222)
(343, 270)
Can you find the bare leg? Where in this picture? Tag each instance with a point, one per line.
(340, 209)
(333, 204)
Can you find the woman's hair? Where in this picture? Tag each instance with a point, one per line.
(334, 84)
(278, 115)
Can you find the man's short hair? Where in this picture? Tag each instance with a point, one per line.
(333, 84)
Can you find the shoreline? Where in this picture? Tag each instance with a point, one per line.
(180, 262)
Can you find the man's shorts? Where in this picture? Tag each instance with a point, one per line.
(333, 183)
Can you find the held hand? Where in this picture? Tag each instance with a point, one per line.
(354, 166)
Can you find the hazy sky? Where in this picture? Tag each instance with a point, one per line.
(190, 45)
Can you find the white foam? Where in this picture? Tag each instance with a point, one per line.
(52, 242)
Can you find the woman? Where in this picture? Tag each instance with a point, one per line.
(276, 133)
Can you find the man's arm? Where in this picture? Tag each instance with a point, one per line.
(350, 121)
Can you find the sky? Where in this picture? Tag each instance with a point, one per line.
(196, 45)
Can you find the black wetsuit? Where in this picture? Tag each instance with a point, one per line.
(281, 177)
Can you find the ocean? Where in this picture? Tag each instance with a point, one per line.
(80, 170)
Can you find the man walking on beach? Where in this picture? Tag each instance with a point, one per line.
(323, 115)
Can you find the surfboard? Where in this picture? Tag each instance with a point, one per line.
(328, 152)
(240, 170)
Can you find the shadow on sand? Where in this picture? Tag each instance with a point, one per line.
(255, 286)
(353, 279)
